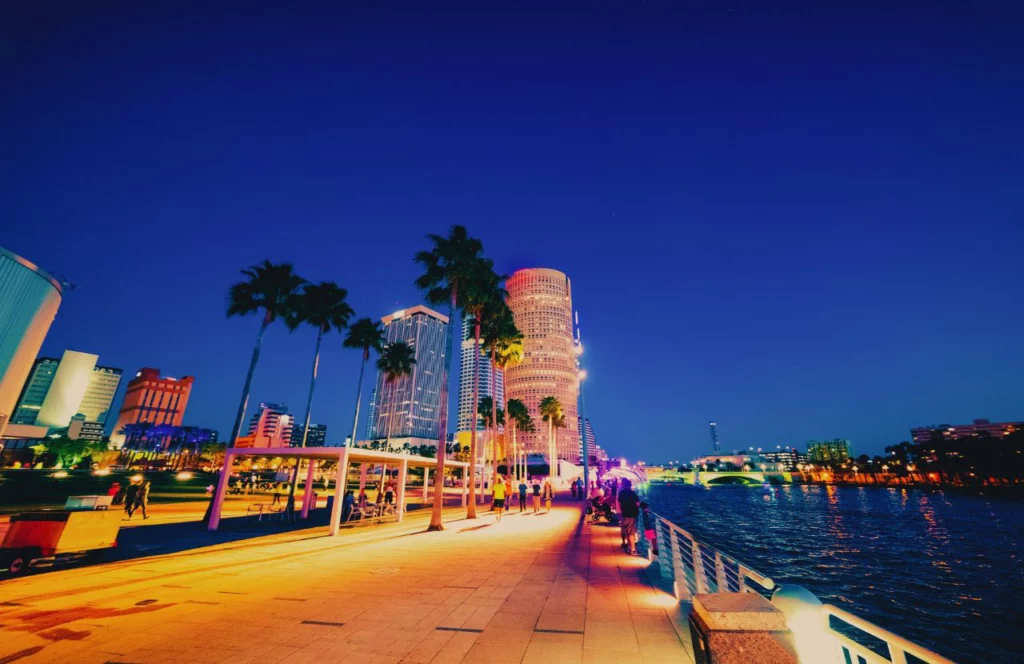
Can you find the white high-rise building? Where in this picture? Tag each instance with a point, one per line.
(483, 365)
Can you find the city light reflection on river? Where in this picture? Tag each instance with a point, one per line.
(940, 568)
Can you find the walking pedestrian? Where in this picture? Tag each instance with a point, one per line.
(142, 498)
(629, 509)
(389, 494)
(536, 496)
(498, 499)
(130, 497)
(277, 495)
(549, 493)
(572, 490)
(522, 495)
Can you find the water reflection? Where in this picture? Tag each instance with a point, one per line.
(912, 561)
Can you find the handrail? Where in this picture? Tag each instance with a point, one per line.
(702, 566)
(898, 646)
(695, 567)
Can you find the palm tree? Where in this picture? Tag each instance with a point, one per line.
(271, 288)
(552, 413)
(486, 411)
(396, 361)
(518, 419)
(324, 307)
(480, 291)
(499, 332)
(446, 267)
(365, 334)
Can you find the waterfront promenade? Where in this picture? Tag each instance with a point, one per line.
(532, 588)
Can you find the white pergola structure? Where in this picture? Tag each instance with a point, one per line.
(344, 456)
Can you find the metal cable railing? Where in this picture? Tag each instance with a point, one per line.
(822, 632)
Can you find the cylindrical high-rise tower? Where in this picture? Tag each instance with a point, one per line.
(29, 298)
(541, 302)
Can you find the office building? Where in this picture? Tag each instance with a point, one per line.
(82, 429)
(154, 399)
(34, 393)
(541, 303)
(99, 395)
(981, 427)
(785, 459)
(271, 426)
(371, 415)
(590, 438)
(29, 298)
(467, 413)
(410, 406)
(829, 452)
(58, 390)
(317, 435)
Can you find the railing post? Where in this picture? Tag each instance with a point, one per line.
(679, 586)
(643, 547)
(741, 576)
(700, 580)
(720, 578)
(664, 552)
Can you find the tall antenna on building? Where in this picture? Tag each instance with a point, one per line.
(715, 445)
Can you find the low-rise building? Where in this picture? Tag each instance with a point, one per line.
(980, 427)
(829, 452)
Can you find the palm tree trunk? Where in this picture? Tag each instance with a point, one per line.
(359, 395)
(494, 419)
(442, 434)
(243, 404)
(471, 506)
(551, 447)
(305, 429)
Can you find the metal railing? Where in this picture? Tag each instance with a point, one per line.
(697, 568)
(822, 632)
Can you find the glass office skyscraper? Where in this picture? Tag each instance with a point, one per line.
(467, 412)
(410, 407)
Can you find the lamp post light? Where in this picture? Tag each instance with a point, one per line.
(583, 418)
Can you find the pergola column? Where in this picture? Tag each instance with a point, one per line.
(403, 472)
(307, 495)
(339, 491)
(426, 482)
(465, 485)
(222, 488)
(364, 467)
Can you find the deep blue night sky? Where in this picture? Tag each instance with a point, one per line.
(799, 221)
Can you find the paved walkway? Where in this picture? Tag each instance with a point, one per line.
(532, 588)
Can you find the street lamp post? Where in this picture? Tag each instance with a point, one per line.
(583, 418)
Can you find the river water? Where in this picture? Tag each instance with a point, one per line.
(943, 569)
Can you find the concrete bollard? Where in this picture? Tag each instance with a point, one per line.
(802, 610)
(739, 628)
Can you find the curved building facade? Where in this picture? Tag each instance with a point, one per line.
(29, 298)
(541, 302)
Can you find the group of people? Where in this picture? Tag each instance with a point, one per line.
(134, 497)
(503, 497)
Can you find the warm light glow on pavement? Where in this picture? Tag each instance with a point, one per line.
(478, 591)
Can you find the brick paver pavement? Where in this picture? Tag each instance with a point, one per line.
(543, 587)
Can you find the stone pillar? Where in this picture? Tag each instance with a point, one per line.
(307, 494)
(739, 628)
(403, 472)
(221, 490)
(339, 491)
(426, 483)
